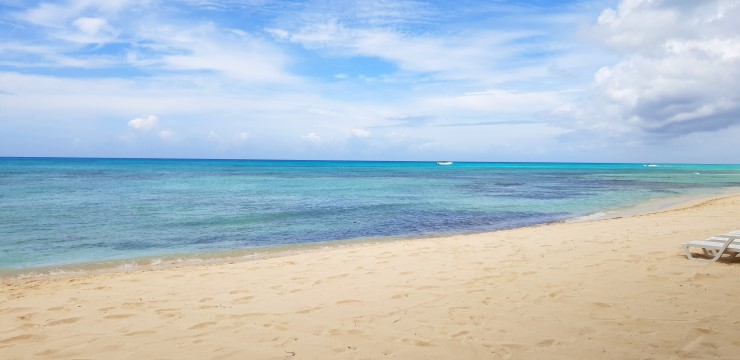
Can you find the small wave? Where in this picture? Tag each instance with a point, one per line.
(589, 217)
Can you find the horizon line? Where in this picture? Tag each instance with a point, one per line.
(354, 160)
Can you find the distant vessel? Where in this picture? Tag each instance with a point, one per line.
(444, 162)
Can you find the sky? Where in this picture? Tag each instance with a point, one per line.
(468, 80)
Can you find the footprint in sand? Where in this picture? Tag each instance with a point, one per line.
(119, 316)
(71, 320)
(340, 276)
(244, 299)
(306, 311)
(460, 333)
(344, 349)
(47, 352)
(234, 292)
(245, 315)
(14, 310)
(138, 333)
(168, 313)
(348, 301)
(548, 342)
(128, 305)
(428, 287)
(500, 352)
(419, 343)
(23, 338)
(336, 332)
(202, 325)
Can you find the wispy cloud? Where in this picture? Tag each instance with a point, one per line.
(235, 55)
(462, 56)
(144, 40)
(369, 78)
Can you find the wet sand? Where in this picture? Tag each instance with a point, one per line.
(607, 289)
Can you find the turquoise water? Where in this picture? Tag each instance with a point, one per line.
(56, 212)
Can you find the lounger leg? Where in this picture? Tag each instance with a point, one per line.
(713, 259)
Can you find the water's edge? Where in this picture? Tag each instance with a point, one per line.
(252, 254)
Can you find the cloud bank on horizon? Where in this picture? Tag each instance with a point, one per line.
(578, 80)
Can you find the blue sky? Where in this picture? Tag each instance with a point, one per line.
(596, 81)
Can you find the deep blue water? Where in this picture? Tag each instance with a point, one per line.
(57, 211)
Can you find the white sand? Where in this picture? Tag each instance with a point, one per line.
(609, 289)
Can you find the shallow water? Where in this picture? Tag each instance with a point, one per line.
(57, 212)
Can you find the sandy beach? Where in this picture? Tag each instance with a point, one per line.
(608, 289)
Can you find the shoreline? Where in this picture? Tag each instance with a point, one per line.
(616, 288)
(657, 205)
(148, 263)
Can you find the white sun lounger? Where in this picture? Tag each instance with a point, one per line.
(714, 247)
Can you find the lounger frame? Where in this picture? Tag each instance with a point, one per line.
(714, 247)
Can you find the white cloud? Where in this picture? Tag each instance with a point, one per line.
(679, 71)
(312, 138)
(491, 101)
(360, 133)
(407, 84)
(457, 56)
(214, 136)
(90, 25)
(166, 135)
(80, 22)
(153, 43)
(236, 139)
(56, 15)
(241, 137)
(205, 47)
(89, 30)
(253, 65)
(143, 123)
(147, 124)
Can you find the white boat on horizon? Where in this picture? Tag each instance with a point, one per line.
(444, 162)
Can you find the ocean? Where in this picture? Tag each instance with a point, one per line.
(69, 213)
